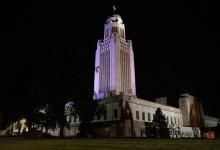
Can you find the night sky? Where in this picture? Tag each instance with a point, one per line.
(175, 45)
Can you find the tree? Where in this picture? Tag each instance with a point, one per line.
(149, 129)
(51, 83)
(86, 111)
(46, 118)
(160, 128)
(61, 83)
(20, 97)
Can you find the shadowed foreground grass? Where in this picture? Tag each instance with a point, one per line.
(107, 144)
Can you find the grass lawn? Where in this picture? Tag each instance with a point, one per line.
(107, 144)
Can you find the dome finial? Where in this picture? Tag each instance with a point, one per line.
(114, 8)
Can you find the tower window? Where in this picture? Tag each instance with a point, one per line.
(114, 29)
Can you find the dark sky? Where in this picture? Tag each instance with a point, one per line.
(175, 45)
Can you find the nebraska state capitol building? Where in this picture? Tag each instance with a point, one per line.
(115, 89)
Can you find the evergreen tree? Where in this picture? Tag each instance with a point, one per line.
(160, 128)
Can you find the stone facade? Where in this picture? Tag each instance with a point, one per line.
(126, 117)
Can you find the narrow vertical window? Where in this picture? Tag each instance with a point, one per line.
(137, 115)
(148, 116)
(70, 119)
(115, 113)
(143, 115)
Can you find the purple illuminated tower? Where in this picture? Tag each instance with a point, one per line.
(114, 62)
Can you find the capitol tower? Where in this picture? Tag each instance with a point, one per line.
(114, 62)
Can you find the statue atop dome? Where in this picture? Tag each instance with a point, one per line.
(114, 9)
